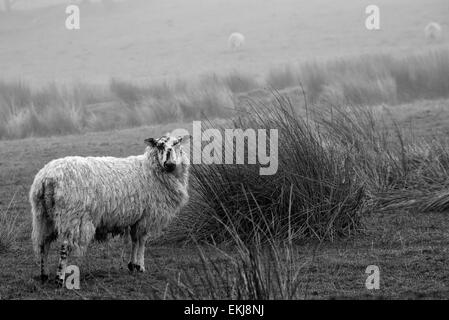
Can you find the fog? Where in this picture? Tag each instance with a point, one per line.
(173, 39)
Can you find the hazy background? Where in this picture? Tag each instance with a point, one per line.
(155, 39)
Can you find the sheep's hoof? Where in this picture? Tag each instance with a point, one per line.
(139, 268)
(59, 282)
(135, 267)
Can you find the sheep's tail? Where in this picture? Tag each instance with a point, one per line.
(42, 202)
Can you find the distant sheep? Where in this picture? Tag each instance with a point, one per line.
(433, 31)
(236, 41)
(75, 199)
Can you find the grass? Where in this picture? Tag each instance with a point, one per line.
(314, 193)
(238, 82)
(394, 241)
(366, 80)
(425, 185)
(371, 79)
(336, 168)
(282, 78)
(253, 271)
(337, 165)
(132, 94)
(401, 171)
(8, 227)
(54, 110)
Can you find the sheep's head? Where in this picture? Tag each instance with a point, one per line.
(168, 151)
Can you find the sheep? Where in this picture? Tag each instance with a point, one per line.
(433, 31)
(236, 41)
(76, 199)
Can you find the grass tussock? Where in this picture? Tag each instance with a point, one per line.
(424, 186)
(334, 167)
(315, 193)
(399, 171)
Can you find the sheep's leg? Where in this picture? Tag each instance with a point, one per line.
(138, 237)
(43, 253)
(141, 253)
(133, 261)
(134, 246)
(63, 254)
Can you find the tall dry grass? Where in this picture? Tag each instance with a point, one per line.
(370, 79)
(335, 166)
(365, 80)
(55, 110)
(315, 192)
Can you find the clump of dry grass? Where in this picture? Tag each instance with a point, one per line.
(335, 165)
(399, 172)
(370, 143)
(315, 191)
(424, 187)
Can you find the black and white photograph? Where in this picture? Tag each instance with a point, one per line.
(237, 150)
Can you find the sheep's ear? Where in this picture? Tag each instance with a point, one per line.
(184, 138)
(151, 142)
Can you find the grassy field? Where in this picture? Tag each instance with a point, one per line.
(363, 119)
(410, 248)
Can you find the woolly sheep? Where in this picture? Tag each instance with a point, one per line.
(75, 199)
(236, 41)
(433, 31)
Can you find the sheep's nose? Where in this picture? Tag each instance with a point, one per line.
(170, 166)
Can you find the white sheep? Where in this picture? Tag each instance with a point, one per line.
(236, 41)
(75, 199)
(433, 31)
